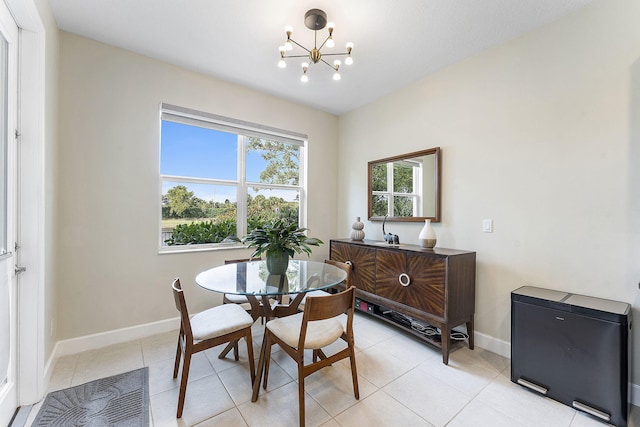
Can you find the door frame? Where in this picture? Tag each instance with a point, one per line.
(31, 222)
(10, 34)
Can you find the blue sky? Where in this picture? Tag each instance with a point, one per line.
(204, 153)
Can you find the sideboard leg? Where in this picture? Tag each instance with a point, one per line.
(444, 341)
(470, 332)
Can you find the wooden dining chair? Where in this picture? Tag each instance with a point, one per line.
(209, 328)
(316, 327)
(347, 267)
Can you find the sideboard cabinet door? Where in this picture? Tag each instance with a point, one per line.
(417, 281)
(389, 266)
(428, 275)
(363, 261)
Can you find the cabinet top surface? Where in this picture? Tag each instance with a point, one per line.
(406, 247)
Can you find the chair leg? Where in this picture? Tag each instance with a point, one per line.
(177, 362)
(260, 370)
(354, 372)
(301, 392)
(252, 366)
(235, 350)
(226, 350)
(183, 383)
(267, 359)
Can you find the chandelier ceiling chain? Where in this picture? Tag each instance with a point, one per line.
(315, 20)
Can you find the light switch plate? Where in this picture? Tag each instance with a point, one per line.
(487, 226)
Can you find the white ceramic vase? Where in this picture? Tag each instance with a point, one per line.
(356, 230)
(427, 236)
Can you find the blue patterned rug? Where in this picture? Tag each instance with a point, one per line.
(120, 400)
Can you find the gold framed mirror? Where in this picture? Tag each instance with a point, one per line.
(405, 187)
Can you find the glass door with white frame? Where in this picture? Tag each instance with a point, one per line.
(8, 215)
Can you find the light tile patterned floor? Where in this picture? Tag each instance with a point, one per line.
(402, 383)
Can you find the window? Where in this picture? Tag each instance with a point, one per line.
(221, 177)
(396, 188)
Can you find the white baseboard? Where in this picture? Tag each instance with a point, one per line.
(494, 345)
(117, 336)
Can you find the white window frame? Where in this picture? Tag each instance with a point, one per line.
(242, 129)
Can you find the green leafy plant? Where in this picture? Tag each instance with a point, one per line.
(280, 236)
(202, 232)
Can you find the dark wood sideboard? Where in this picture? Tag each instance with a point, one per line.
(433, 286)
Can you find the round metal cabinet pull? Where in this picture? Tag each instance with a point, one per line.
(404, 279)
(348, 263)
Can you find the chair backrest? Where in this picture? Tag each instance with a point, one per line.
(332, 305)
(344, 266)
(181, 305)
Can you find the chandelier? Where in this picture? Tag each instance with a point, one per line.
(315, 20)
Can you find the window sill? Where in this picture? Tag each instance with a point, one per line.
(181, 249)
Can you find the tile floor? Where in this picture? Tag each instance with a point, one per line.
(402, 383)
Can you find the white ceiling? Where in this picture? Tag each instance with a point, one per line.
(396, 41)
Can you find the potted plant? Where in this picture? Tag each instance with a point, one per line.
(279, 240)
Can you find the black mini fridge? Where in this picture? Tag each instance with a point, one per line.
(573, 349)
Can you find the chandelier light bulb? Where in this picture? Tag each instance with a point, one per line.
(336, 76)
(349, 46)
(288, 46)
(331, 26)
(304, 78)
(288, 29)
(282, 50)
(282, 64)
(336, 64)
(348, 60)
(305, 65)
(330, 43)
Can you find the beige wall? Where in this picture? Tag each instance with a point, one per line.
(542, 135)
(110, 274)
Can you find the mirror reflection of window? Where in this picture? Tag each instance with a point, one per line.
(405, 187)
(397, 188)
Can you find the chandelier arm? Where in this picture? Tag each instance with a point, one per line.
(335, 54)
(299, 45)
(296, 56)
(323, 43)
(334, 68)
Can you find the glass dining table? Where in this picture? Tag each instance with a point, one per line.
(253, 280)
(268, 293)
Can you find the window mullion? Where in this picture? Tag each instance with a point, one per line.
(390, 188)
(242, 187)
(302, 185)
